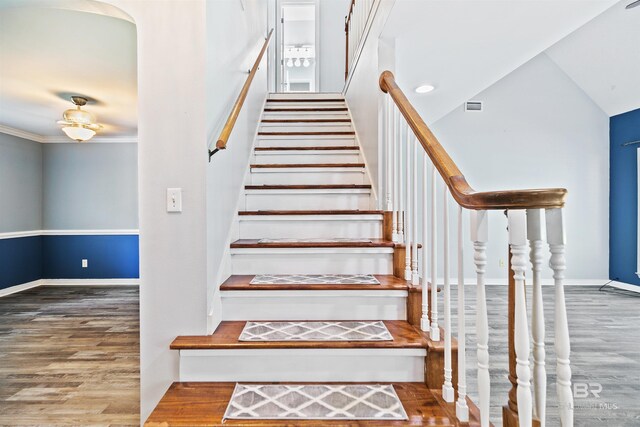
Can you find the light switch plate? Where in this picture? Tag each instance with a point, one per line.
(85, 263)
(174, 199)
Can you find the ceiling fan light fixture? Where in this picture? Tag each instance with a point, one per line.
(78, 124)
(78, 133)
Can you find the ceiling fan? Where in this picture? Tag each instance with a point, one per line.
(633, 4)
(78, 124)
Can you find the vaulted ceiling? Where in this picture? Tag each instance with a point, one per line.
(603, 58)
(48, 54)
(463, 47)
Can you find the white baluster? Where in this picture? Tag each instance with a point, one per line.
(424, 322)
(389, 137)
(479, 237)
(415, 279)
(401, 223)
(462, 410)
(534, 234)
(518, 245)
(408, 213)
(394, 174)
(435, 329)
(447, 387)
(556, 240)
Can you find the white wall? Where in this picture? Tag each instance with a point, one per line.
(364, 96)
(90, 186)
(332, 44)
(171, 153)
(538, 130)
(20, 184)
(234, 39)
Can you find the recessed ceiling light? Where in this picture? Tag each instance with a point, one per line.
(632, 5)
(425, 89)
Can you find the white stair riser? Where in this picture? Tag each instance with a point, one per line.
(363, 365)
(302, 261)
(310, 127)
(306, 95)
(305, 115)
(307, 104)
(305, 142)
(314, 305)
(307, 228)
(289, 157)
(268, 200)
(307, 176)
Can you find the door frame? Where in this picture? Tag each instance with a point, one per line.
(279, 40)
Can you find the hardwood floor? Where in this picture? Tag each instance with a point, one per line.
(605, 350)
(70, 356)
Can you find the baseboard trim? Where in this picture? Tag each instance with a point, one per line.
(32, 233)
(625, 286)
(471, 281)
(19, 288)
(90, 282)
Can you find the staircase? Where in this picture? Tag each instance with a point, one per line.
(308, 210)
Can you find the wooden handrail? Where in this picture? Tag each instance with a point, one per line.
(461, 191)
(221, 144)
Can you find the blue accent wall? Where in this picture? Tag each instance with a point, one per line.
(20, 260)
(109, 257)
(623, 206)
(26, 259)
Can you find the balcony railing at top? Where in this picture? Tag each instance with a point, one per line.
(221, 143)
(411, 150)
(355, 24)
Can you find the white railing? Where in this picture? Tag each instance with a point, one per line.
(355, 24)
(407, 139)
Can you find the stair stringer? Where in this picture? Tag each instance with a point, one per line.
(374, 202)
(214, 313)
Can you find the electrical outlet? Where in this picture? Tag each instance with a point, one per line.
(85, 263)
(501, 263)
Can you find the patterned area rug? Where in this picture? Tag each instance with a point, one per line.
(315, 402)
(339, 240)
(314, 279)
(315, 331)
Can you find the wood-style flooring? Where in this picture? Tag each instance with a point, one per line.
(69, 356)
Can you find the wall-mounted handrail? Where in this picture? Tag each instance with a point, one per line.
(460, 189)
(221, 144)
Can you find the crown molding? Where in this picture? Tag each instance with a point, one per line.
(94, 140)
(21, 134)
(60, 139)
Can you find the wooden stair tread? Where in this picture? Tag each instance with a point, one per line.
(307, 133)
(301, 120)
(311, 212)
(242, 283)
(204, 403)
(306, 165)
(308, 187)
(307, 100)
(315, 148)
(227, 334)
(256, 243)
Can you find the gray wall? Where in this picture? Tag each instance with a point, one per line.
(20, 184)
(332, 44)
(90, 186)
